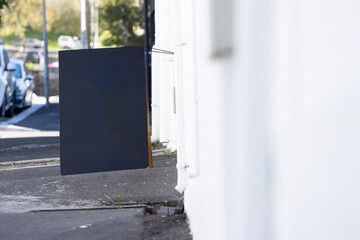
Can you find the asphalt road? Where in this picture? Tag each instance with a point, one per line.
(124, 224)
(46, 119)
(16, 149)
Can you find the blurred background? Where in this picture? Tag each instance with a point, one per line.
(108, 23)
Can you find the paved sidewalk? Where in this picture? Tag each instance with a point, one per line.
(39, 188)
(37, 203)
(37, 121)
(85, 206)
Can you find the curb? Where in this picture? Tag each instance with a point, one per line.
(23, 115)
(29, 163)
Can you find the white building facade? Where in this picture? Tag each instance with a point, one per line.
(261, 100)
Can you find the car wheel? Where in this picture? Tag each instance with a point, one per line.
(3, 107)
(24, 103)
(30, 102)
(21, 108)
(10, 111)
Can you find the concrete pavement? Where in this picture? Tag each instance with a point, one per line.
(37, 203)
(125, 224)
(85, 206)
(39, 188)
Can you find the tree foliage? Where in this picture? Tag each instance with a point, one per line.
(66, 16)
(3, 3)
(25, 14)
(61, 15)
(122, 19)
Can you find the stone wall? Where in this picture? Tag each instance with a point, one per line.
(39, 82)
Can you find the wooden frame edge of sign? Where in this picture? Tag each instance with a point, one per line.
(148, 126)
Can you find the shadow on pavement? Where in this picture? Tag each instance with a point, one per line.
(46, 119)
(17, 149)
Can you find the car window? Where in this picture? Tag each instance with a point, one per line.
(18, 73)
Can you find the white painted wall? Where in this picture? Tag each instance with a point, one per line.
(226, 200)
(315, 117)
(155, 98)
(163, 117)
(267, 123)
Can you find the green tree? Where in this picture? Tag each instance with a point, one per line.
(25, 14)
(3, 3)
(122, 19)
(66, 16)
(61, 16)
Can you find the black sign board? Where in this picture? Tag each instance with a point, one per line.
(103, 110)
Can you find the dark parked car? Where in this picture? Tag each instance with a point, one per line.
(24, 86)
(34, 57)
(34, 60)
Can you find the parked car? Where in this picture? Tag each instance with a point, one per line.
(33, 43)
(34, 60)
(68, 42)
(35, 57)
(24, 85)
(7, 83)
(54, 66)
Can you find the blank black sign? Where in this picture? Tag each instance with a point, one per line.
(103, 114)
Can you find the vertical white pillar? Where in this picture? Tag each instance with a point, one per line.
(190, 98)
(205, 126)
(231, 47)
(83, 30)
(179, 91)
(155, 72)
(163, 115)
(96, 25)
